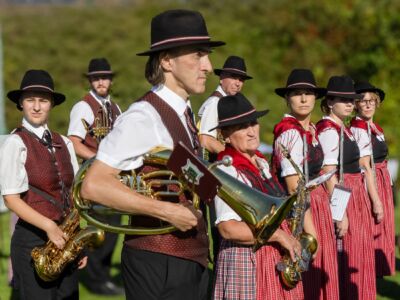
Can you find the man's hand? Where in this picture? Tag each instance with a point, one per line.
(183, 216)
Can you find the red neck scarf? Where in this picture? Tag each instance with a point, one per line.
(360, 123)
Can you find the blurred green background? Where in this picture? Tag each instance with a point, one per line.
(356, 37)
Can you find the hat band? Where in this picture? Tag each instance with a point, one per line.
(99, 72)
(37, 86)
(238, 116)
(301, 83)
(187, 38)
(233, 69)
(342, 93)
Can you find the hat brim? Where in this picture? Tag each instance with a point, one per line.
(346, 96)
(374, 90)
(219, 71)
(99, 73)
(177, 44)
(245, 119)
(15, 95)
(319, 92)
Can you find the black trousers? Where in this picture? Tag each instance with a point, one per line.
(155, 276)
(99, 259)
(26, 281)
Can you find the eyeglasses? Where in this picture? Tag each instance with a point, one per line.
(370, 102)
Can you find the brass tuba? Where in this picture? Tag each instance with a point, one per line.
(262, 212)
(49, 261)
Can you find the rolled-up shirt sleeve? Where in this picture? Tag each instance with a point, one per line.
(329, 139)
(209, 118)
(13, 176)
(81, 110)
(135, 132)
(223, 210)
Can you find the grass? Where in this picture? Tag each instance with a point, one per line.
(388, 287)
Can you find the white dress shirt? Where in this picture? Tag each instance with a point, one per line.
(13, 152)
(81, 110)
(140, 129)
(208, 113)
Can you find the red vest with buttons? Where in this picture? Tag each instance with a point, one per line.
(98, 112)
(47, 173)
(190, 245)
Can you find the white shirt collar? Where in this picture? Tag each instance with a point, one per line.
(288, 116)
(332, 119)
(38, 131)
(174, 100)
(219, 89)
(98, 98)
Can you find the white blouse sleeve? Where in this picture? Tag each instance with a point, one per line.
(81, 110)
(363, 141)
(13, 176)
(293, 142)
(329, 140)
(222, 210)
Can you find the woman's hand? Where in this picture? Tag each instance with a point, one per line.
(82, 262)
(291, 244)
(377, 209)
(56, 235)
(342, 227)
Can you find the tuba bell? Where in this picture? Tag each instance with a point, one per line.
(263, 213)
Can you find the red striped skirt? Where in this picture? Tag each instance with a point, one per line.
(321, 280)
(235, 274)
(269, 285)
(357, 260)
(384, 232)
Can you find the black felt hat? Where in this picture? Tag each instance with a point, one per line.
(343, 87)
(237, 109)
(176, 28)
(99, 66)
(36, 81)
(365, 86)
(234, 65)
(301, 79)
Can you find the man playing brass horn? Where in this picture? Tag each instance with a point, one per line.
(90, 121)
(168, 266)
(36, 174)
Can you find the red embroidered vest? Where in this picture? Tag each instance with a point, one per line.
(49, 177)
(98, 112)
(191, 245)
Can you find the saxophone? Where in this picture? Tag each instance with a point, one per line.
(290, 270)
(50, 261)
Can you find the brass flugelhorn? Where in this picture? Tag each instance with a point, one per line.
(263, 213)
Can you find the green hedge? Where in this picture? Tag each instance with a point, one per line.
(358, 37)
